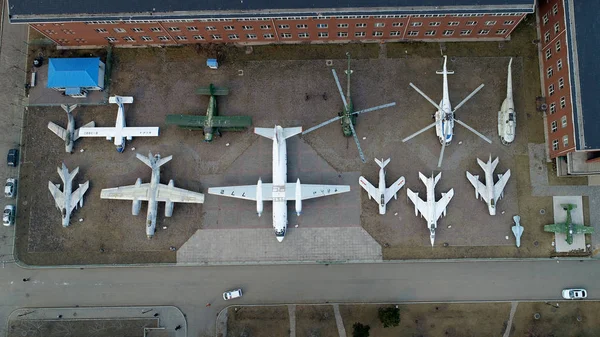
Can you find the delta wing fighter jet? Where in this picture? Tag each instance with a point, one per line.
(431, 210)
(444, 116)
(280, 191)
(381, 194)
(120, 131)
(70, 134)
(154, 192)
(489, 192)
(67, 200)
(507, 117)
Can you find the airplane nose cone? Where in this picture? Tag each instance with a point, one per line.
(280, 238)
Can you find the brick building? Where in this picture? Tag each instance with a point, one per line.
(569, 63)
(74, 23)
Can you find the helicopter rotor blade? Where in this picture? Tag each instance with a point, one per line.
(443, 147)
(419, 132)
(360, 153)
(425, 96)
(374, 108)
(473, 130)
(322, 124)
(339, 86)
(468, 97)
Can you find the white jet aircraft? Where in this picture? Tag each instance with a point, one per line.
(121, 131)
(154, 192)
(489, 192)
(70, 134)
(382, 195)
(444, 116)
(280, 191)
(431, 210)
(66, 200)
(507, 117)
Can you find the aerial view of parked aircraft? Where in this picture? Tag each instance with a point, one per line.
(489, 192)
(70, 134)
(381, 194)
(67, 200)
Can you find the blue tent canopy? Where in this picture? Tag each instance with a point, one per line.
(73, 72)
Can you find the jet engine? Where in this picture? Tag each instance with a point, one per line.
(136, 204)
(169, 204)
(298, 197)
(259, 198)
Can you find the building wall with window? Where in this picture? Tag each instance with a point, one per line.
(557, 82)
(315, 29)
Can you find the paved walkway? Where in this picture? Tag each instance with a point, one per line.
(292, 313)
(226, 246)
(513, 310)
(339, 321)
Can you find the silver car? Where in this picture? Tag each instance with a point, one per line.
(8, 217)
(231, 294)
(574, 294)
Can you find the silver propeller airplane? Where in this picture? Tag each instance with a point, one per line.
(120, 131)
(70, 134)
(444, 116)
(154, 192)
(489, 192)
(431, 210)
(280, 191)
(381, 194)
(66, 200)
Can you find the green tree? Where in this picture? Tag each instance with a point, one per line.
(360, 330)
(389, 317)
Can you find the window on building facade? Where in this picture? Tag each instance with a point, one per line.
(559, 64)
(101, 30)
(549, 72)
(490, 23)
(111, 39)
(155, 29)
(379, 24)
(128, 39)
(247, 27)
(509, 22)
(553, 127)
(342, 25)
(302, 26)
(216, 37)
(435, 24)
(501, 31)
(303, 35)
(119, 30)
(360, 34)
(557, 46)
(555, 9)
(448, 32)
(545, 19)
(565, 140)
(561, 83)
(551, 89)
(397, 24)
(322, 25)
(210, 28)
(229, 27)
(180, 38)
(395, 33)
(146, 38)
(430, 33)
(137, 30)
(361, 25)
(548, 53)
(471, 23)
(322, 35)
(453, 23)
(413, 33)
(192, 28)
(265, 27)
(416, 24)
(556, 27)
(163, 38)
(251, 36)
(563, 102)
(547, 37)
(552, 108)
(465, 32)
(342, 34)
(563, 121)
(483, 32)
(268, 36)
(286, 35)
(174, 29)
(233, 36)
(555, 144)
(198, 37)
(284, 26)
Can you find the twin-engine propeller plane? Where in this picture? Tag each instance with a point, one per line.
(211, 123)
(280, 191)
(444, 116)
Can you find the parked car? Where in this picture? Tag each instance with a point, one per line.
(13, 157)
(8, 217)
(10, 189)
(231, 294)
(574, 294)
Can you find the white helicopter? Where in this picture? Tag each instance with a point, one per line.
(444, 116)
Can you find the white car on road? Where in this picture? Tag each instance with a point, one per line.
(574, 294)
(8, 217)
(10, 189)
(231, 294)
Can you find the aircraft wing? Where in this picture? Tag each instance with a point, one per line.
(186, 120)
(174, 194)
(392, 190)
(556, 228)
(59, 131)
(88, 125)
(310, 191)
(57, 194)
(479, 187)
(499, 187)
(125, 132)
(247, 192)
(231, 121)
(148, 131)
(580, 229)
(97, 132)
(440, 205)
(367, 186)
(419, 204)
(78, 195)
(129, 192)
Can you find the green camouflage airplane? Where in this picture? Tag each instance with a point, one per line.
(568, 227)
(211, 123)
(348, 115)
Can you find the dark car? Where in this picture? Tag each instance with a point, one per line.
(13, 157)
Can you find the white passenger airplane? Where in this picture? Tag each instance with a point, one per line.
(67, 200)
(381, 195)
(489, 192)
(444, 116)
(121, 131)
(154, 192)
(280, 191)
(507, 117)
(431, 210)
(70, 134)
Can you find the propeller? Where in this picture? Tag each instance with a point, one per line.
(473, 130)
(468, 97)
(360, 153)
(419, 132)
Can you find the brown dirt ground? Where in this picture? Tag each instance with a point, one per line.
(561, 321)
(73, 327)
(269, 321)
(315, 321)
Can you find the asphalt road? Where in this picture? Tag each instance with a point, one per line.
(190, 288)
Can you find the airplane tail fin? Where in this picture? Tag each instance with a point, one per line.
(437, 178)
(445, 70)
(153, 161)
(509, 80)
(68, 108)
(290, 132)
(423, 178)
(490, 165)
(265, 132)
(568, 207)
(381, 162)
(120, 99)
(211, 90)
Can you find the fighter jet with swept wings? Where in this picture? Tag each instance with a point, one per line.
(381, 194)
(489, 192)
(154, 192)
(211, 123)
(70, 134)
(67, 200)
(280, 191)
(431, 210)
(568, 227)
(444, 116)
(120, 131)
